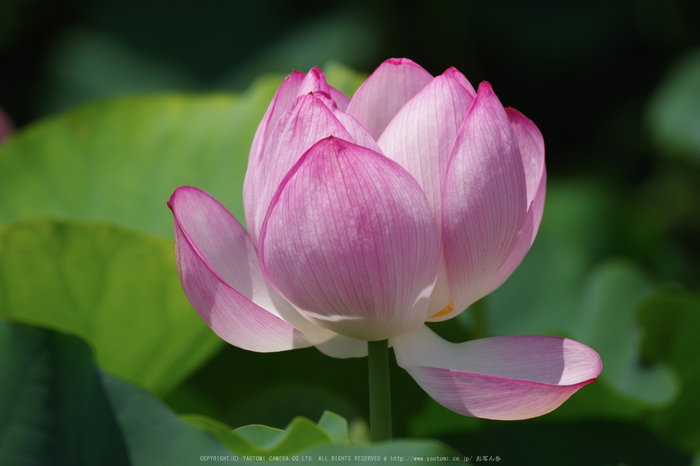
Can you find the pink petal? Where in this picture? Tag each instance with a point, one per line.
(314, 81)
(531, 146)
(343, 347)
(221, 276)
(340, 99)
(358, 134)
(420, 138)
(484, 200)
(350, 240)
(383, 94)
(503, 378)
(306, 122)
(462, 80)
(285, 95)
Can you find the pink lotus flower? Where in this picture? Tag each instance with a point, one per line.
(369, 217)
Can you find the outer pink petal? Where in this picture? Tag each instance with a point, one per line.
(420, 138)
(221, 276)
(358, 134)
(306, 122)
(503, 378)
(285, 95)
(531, 147)
(343, 347)
(350, 240)
(314, 81)
(484, 200)
(462, 80)
(384, 93)
(341, 100)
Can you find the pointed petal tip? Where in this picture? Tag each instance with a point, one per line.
(399, 61)
(486, 86)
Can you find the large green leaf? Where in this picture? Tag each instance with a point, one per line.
(670, 322)
(673, 114)
(53, 410)
(258, 440)
(543, 294)
(119, 160)
(154, 435)
(312, 443)
(609, 324)
(117, 289)
(57, 408)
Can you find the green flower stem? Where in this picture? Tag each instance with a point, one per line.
(379, 391)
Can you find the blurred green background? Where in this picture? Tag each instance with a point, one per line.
(117, 102)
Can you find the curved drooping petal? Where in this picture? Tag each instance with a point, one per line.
(531, 146)
(350, 240)
(220, 273)
(503, 378)
(484, 200)
(307, 121)
(383, 94)
(420, 138)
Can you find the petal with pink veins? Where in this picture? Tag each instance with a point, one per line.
(531, 146)
(306, 122)
(502, 378)
(420, 138)
(341, 100)
(221, 276)
(484, 199)
(285, 95)
(350, 240)
(383, 94)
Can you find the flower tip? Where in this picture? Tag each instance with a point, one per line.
(316, 71)
(486, 86)
(399, 62)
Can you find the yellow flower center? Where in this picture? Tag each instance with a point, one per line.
(445, 311)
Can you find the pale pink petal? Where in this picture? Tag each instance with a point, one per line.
(503, 378)
(285, 95)
(531, 146)
(383, 94)
(350, 240)
(462, 80)
(220, 273)
(343, 347)
(283, 99)
(307, 121)
(314, 81)
(358, 134)
(420, 138)
(340, 99)
(484, 199)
